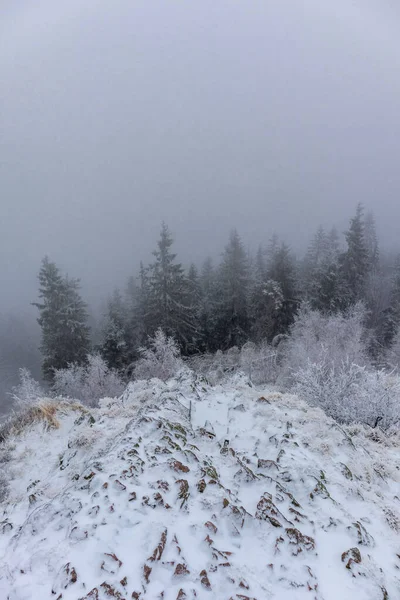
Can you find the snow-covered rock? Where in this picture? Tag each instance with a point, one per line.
(183, 491)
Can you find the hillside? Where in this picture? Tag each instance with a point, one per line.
(183, 491)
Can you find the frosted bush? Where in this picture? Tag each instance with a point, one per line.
(324, 339)
(258, 362)
(351, 393)
(27, 392)
(88, 383)
(161, 359)
(393, 354)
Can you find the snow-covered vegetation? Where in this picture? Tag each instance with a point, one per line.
(187, 490)
(243, 425)
(88, 382)
(160, 359)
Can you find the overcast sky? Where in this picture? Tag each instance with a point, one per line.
(261, 114)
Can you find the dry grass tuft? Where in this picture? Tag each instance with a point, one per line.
(43, 411)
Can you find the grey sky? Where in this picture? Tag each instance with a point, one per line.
(264, 115)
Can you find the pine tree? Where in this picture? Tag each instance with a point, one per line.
(321, 272)
(208, 310)
(354, 261)
(63, 320)
(392, 314)
(114, 348)
(194, 301)
(312, 265)
(232, 328)
(281, 275)
(168, 304)
(261, 305)
(371, 242)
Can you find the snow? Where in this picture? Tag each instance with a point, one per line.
(113, 502)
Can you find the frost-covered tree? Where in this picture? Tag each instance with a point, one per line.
(320, 280)
(160, 359)
(208, 307)
(258, 303)
(138, 294)
(281, 275)
(311, 268)
(392, 312)
(114, 347)
(232, 323)
(63, 320)
(354, 262)
(168, 290)
(371, 242)
(266, 302)
(193, 299)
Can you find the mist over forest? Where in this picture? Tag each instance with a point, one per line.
(260, 117)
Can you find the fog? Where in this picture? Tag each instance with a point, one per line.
(262, 115)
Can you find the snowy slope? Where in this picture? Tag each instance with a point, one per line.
(190, 491)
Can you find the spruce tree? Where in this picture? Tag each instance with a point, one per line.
(168, 290)
(392, 313)
(371, 242)
(114, 347)
(321, 287)
(233, 325)
(354, 261)
(63, 320)
(260, 305)
(193, 300)
(208, 311)
(281, 276)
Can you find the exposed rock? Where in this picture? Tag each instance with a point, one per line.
(176, 465)
(351, 556)
(205, 582)
(181, 569)
(267, 464)
(201, 486)
(159, 549)
(211, 527)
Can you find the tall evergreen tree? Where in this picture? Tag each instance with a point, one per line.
(194, 301)
(371, 242)
(281, 273)
(114, 347)
(312, 266)
(208, 308)
(261, 304)
(392, 313)
(168, 304)
(321, 288)
(354, 261)
(233, 325)
(63, 320)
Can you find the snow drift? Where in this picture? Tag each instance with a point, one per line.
(183, 490)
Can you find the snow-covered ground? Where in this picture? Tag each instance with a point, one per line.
(183, 490)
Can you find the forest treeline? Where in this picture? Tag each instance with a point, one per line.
(226, 304)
